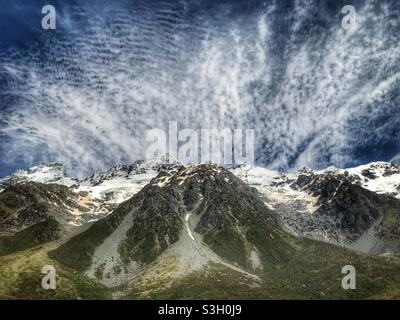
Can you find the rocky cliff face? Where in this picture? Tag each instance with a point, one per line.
(32, 213)
(357, 208)
(25, 204)
(347, 212)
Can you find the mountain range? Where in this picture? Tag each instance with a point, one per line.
(161, 230)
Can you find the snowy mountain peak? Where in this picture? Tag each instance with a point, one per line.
(140, 167)
(48, 172)
(331, 205)
(380, 177)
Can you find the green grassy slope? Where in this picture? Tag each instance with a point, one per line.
(312, 272)
(21, 277)
(30, 237)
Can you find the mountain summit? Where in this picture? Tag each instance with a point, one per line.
(164, 230)
(198, 214)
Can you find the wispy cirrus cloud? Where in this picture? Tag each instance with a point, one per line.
(313, 92)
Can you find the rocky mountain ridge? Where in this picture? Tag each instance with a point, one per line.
(163, 230)
(318, 204)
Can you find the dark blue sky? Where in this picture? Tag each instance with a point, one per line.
(20, 19)
(86, 93)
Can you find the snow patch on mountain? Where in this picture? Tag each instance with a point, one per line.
(288, 194)
(98, 194)
(44, 173)
(104, 191)
(379, 177)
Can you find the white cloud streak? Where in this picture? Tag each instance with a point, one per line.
(94, 94)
